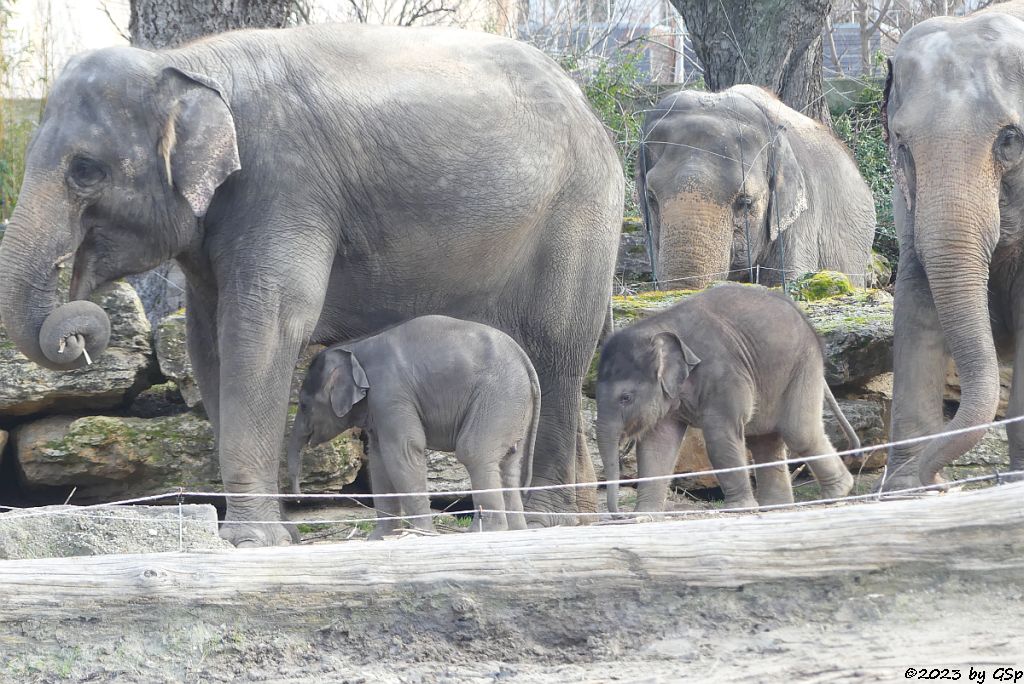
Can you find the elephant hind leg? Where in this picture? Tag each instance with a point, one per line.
(834, 480)
(773, 483)
(511, 476)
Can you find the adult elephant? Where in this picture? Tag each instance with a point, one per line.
(734, 180)
(954, 102)
(318, 184)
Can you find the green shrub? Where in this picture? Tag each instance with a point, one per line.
(860, 127)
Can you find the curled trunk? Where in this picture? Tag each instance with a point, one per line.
(31, 257)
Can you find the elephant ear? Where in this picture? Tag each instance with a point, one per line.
(347, 384)
(787, 188)
(675, 362)
(198, 146)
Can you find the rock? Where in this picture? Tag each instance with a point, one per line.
(110, 458)
(61, 531)
(857, 332)
(868, 419)
(952, 389)
(879, 271)
(445, 473)
(121, 371)
(161, 291)
(633, 263)
(172, 355)
(810, 287)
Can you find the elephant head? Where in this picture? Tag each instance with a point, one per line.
(953, 111)
(719, 183)
(640, 378)
(332, 399)
(126, 160)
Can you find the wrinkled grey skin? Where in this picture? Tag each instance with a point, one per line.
(319, 184)
(739, 362)
(717, 166)
(953, 109)
(430, 383)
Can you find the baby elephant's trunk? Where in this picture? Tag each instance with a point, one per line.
(299, 439)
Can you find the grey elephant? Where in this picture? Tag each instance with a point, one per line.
(734, 180)
(737, 361)
(311, 195)
(953, 107)
(432, 382)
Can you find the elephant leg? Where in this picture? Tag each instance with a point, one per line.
(201, 340)
(554, 460)
(773, 483)
(727, 449)
(919, 364)
(656, 455)
(486, 474)
(834, 479)
(512, 476)
(388, 508)
(586, 497)
(262, 327)
(1015, 407)
(402, 455)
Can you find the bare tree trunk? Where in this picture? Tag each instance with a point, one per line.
(772, 43)
(169, 23)
(157, 24)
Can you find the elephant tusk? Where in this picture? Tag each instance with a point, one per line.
(62, 345)
(85, 352)
(61, 262)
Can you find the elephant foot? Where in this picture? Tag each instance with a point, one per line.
(839, 488)
(551, 507)
(247, 535)
(742, 502)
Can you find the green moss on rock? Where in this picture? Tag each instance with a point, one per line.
(811, 287)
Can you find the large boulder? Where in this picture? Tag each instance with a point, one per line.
(109, 458)
(125, 368)
(61, 531)
(633, 264)
(867, 417)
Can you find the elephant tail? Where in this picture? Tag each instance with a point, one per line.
(531, 436)
(851, 436)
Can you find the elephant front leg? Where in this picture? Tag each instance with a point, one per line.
(656, 456)
(919, 365)
(773, 484)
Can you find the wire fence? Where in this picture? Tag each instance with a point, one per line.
(111, 510)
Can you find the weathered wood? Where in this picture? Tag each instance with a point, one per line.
(973, 532)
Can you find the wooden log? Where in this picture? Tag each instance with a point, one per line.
(972, 531)
(589, 594)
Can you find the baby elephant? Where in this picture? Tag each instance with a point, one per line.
(431, 382)
(741, 363)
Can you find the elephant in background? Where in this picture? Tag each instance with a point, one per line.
(734, 180)
(319, 184)
(953, 110)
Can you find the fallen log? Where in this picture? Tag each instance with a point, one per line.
(525, 587)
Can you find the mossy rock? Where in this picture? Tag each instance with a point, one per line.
(628, 308)
(108, 457)
(811, 287)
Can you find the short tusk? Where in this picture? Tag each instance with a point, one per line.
(85, 352)
(62, 345)
(62, 261)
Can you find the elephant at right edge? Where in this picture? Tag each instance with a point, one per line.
(954, 102)
(733, 180)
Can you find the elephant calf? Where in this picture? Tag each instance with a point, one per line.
(741, 363)
(431, 382)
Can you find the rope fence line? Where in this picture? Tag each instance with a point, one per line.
(181, 493)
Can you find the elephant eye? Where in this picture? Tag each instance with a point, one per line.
(1009, 145)
(85, 173)
(625, 398)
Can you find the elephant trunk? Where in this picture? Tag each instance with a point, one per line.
(299, 439)
(55, 336)
(695, 243)
(956, 231)
(608, 444)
